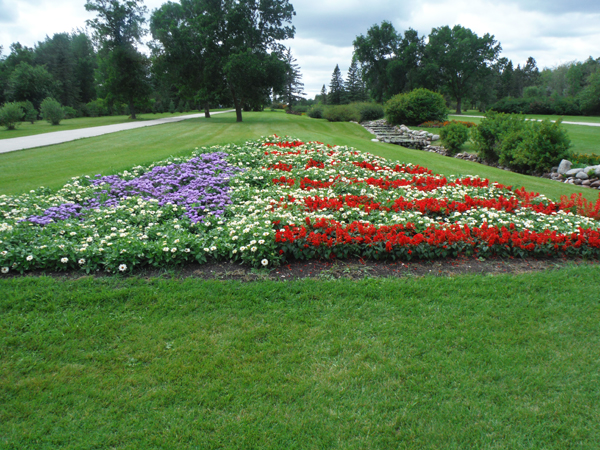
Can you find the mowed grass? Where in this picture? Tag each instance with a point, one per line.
(419, 363)
(42, 126)
(53, 166)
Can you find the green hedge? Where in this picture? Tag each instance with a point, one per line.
(415, 107)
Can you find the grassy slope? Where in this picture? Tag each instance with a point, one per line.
(467, 362)
(53, 166)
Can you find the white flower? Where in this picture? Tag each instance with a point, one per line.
(252, 242)
(122, 267)
(81, 262)
(29, 258)
(261, 241)
(242, 248)
(173, 250)
(213, 248)
(64, 260)
(5, 270)
(165, 249)
(206, 250)
(234, 251)
(264, 262)
(253, 249)
(187, 250)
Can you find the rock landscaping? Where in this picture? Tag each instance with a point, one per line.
(587, 177)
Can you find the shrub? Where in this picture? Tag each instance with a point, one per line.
(454, 135)
(52, 111)
(31, 114)
(172, 108)
(96, 108)
(536, 147)
(537, 105)
(316, 111)
(10, 115)
(415, 107)
(488, 135)
(300, 108)
(585, 159)
(70, 113)
(439, 124)
(341, 113)
(369, 111)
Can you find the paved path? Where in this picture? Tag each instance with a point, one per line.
(588, 124)
(58, 137)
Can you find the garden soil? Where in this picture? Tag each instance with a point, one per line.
(341, 269)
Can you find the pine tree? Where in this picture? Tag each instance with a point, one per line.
(355, 89)
(324, 95)
(294, 88)
(337, 92)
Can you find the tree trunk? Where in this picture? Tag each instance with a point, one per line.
(458, 105)
(238, 106)
(132, 110)
(206, 111)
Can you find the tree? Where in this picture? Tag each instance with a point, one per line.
(57, 56)
(337, 93)
(180, 58)
(225, 45)
(118, 27)
(294, 88)
(375, 51)
(355, 88)
(323, 97)
(457, 58)
(30, 83)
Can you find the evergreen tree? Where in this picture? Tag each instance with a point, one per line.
(323, 95)
(294, 88)
(337, 93)
(355, 87)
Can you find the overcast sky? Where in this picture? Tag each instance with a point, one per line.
(552, 31)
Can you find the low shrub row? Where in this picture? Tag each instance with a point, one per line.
(353, 112)
(538, 105)
(12, 113)
(440, 124)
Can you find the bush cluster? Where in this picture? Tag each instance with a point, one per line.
(341, 113)
(537, 105)
(454, 135)
(523, 146)
(585, 159)
(356, 112)
(415, 107)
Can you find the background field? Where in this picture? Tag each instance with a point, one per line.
(53, 166)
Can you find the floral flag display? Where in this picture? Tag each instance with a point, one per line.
(276, 200)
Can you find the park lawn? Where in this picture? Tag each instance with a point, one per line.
(41, 126)
(507, 361)
(52, 166)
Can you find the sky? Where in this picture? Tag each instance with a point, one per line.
(552, 31)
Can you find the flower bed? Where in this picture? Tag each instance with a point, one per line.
(276, 199)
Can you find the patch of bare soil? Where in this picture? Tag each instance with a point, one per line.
(349, 269)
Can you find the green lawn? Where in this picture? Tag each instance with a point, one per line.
(54, 165)
(507, 362)
(41, 126)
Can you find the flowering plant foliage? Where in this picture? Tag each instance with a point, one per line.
(278, 199)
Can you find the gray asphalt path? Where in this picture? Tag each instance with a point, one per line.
(58, 137)
(588, 124)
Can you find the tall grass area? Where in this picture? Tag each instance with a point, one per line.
(54, 165)
(427, 363)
